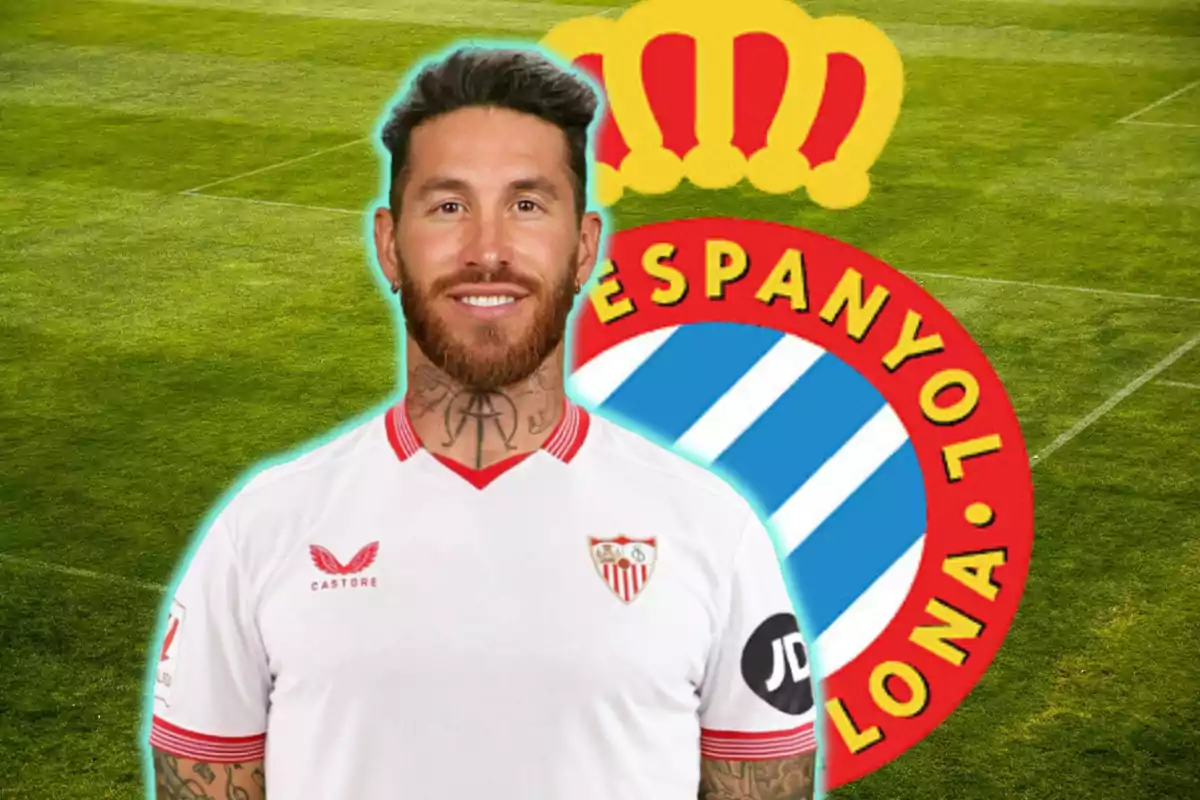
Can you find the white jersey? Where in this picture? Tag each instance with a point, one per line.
(582, 622)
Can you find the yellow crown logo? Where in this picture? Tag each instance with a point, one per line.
(717, 92)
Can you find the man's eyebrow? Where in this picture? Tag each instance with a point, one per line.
(441, 183)
(445, 183)
(543, 185)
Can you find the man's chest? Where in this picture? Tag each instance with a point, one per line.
(604, 601)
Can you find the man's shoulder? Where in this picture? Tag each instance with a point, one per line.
(313, 469)
(635, 458)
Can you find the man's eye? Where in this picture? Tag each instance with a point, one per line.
(450, 206)
(527, 205)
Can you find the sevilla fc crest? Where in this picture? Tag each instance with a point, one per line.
(625, 564)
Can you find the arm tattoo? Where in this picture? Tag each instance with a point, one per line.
(174, 783)
(778, 779)
(182, 779)
(232, 790)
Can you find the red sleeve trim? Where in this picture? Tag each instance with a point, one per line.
(206, 747)
(739, 746)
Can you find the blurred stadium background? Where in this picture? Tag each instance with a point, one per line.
(184, 291)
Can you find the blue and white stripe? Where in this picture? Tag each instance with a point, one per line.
(806, 438)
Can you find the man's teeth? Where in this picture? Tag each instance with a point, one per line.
(490, 300)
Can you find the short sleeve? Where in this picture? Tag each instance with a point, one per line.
(212, 680)
(756, 701)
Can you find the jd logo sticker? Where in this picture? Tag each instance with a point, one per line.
(842, 399)
(775, 666)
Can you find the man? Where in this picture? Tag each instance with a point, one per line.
(485, 592)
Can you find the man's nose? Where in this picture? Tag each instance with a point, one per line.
(490, 243)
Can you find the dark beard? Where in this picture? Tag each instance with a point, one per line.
(486, 364)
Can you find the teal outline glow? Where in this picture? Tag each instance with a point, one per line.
(381, 199)
(372, 262)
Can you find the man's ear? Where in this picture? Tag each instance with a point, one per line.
(591, 228)
(385, 245)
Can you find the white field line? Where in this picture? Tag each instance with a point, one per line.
(1164, 124)
(1180, 384)
(197, 189)
(1060, 287)
(501, 15)
(79, 573)
(1109, 404)
(276, 203)
(270, 167)
(1160, 101)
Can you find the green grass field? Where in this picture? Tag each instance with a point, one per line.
(156, 343)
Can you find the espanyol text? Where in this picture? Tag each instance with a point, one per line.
(726, 264)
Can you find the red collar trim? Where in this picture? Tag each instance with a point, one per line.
(400, 432)
(562, 443)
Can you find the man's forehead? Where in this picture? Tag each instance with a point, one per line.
(512, 151)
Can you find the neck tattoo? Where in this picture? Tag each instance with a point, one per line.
(484, 412)
(491, 423)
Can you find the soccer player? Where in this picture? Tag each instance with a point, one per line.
(485, 591)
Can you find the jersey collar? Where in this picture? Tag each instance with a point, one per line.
(562, 443)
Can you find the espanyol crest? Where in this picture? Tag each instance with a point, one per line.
(865, 426)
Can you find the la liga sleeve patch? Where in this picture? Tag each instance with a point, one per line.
(168, 656)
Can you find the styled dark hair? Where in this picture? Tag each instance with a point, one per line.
(519, 80)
